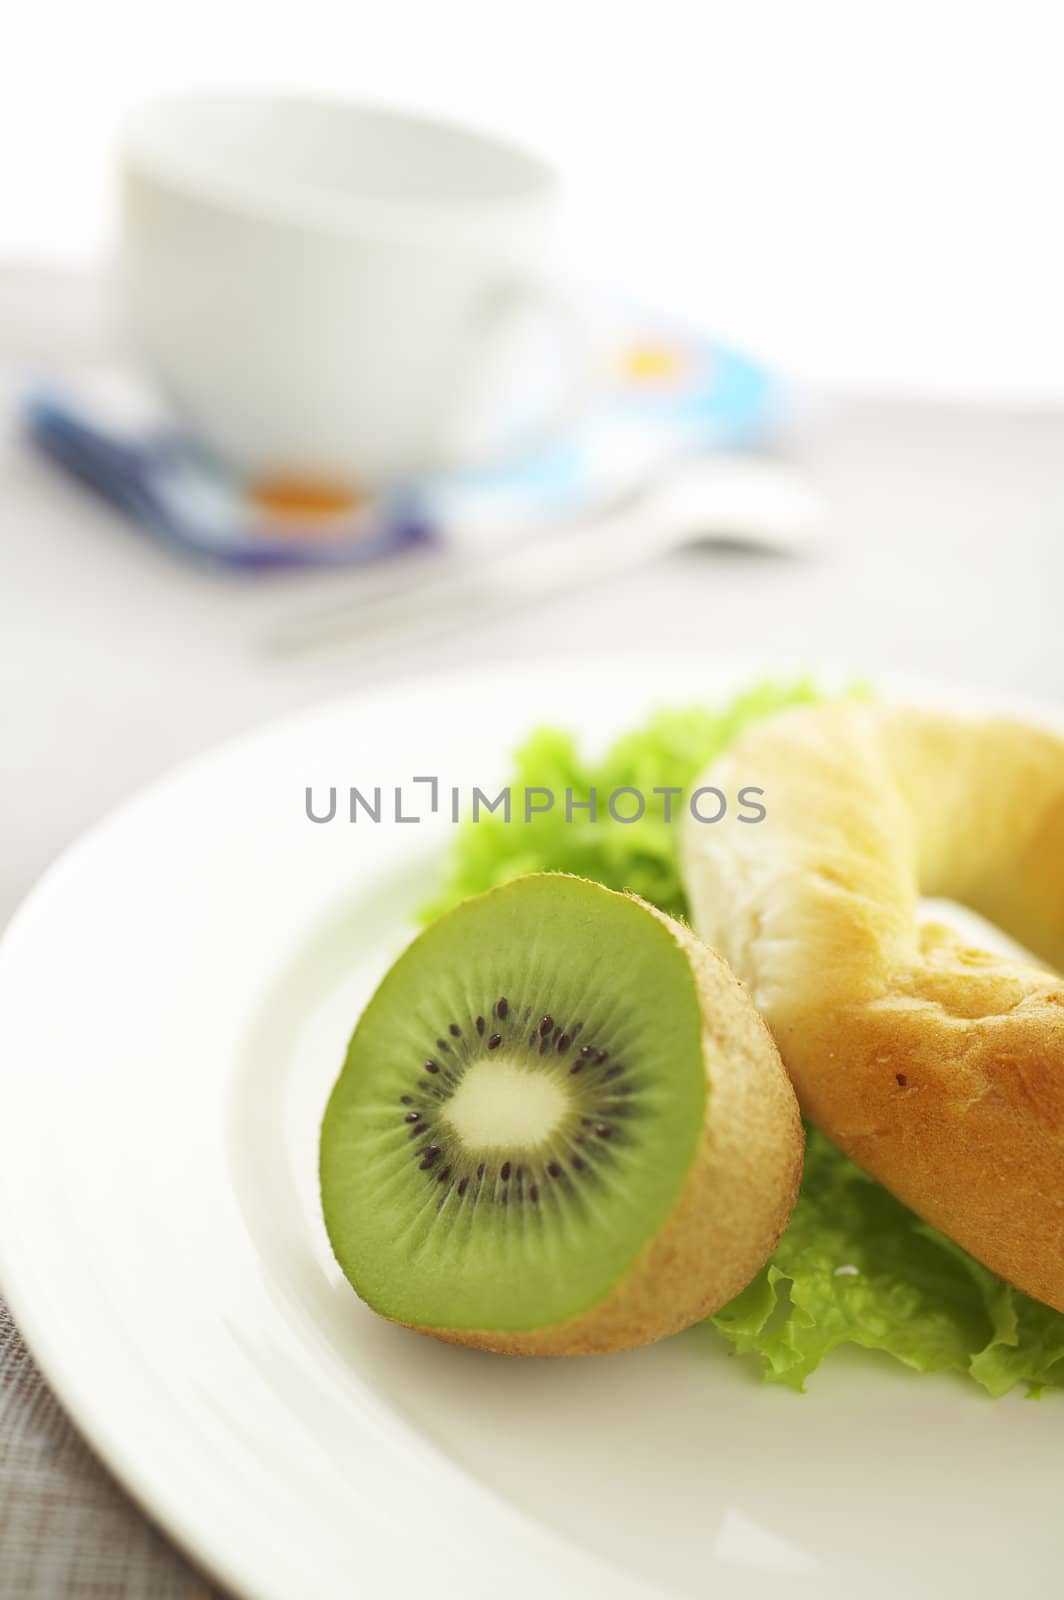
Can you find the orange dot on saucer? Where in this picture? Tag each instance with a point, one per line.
(299, 501)
(653, 363)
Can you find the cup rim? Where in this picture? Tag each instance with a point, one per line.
(149, 150)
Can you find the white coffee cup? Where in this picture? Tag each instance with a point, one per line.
(313, 283)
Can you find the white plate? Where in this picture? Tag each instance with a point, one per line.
(175, 998)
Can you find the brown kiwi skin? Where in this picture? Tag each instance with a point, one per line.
(736, 1200)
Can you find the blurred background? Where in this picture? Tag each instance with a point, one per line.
(828, 403)
(866, 194)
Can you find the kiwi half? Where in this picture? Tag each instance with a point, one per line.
(561, 1128)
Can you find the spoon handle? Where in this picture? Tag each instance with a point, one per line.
(711, 504)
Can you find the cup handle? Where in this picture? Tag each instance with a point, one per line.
(498, 313)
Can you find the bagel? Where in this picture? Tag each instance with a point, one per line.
(937, 1066)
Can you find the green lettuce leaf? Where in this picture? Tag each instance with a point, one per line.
(854, 1266)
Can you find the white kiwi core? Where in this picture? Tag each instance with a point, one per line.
(503, 1104)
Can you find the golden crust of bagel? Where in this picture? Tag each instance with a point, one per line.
(939, 1067)
(735, 1202)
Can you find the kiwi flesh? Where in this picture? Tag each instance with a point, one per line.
(561, 1128)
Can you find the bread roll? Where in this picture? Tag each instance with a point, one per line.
(938, 1066)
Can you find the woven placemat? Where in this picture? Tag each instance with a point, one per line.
(67, 1530)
